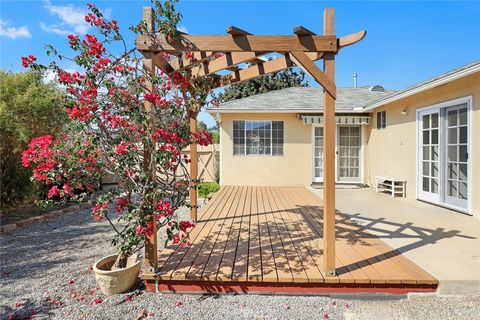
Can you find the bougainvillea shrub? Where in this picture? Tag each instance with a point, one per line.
(111, 132)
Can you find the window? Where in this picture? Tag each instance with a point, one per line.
(382, 119)
(258, 138)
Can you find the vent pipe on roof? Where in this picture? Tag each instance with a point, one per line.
(355, 80)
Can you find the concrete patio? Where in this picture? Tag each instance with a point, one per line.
(443, 242)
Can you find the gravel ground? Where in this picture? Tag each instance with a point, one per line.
(46, 273)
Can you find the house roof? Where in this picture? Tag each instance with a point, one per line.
(309, 100)
(302, 99)
(427, 84)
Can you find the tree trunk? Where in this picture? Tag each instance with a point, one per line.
(121, 262)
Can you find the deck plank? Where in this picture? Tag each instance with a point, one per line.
(255, 263)
(269, 271)
(240, 265)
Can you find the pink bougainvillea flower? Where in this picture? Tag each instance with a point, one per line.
(121, 148)
(286, 307)
(71, 281)
(55, 302)
(243, 305)
(325, 316)
(347, 306)
(96, 301)
(178, 303)
(334, 304)
(53, 192)
(18, 304)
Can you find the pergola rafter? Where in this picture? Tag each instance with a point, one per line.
(244, 56)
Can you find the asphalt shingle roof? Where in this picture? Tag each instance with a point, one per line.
(303, 99)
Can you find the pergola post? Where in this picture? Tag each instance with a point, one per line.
(329, 151)
(192, 114)
(151, 261)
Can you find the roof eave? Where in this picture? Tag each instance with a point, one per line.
(278, 111)
(429, 85)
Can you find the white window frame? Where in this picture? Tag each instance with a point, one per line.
(271, 139)
(378, 113)
(445, 104)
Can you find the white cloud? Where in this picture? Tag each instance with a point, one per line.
(53, 29)
(13, 32)
(72, 19)
(182, 29)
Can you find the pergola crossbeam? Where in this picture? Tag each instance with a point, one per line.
(228, 43)
(267, 67)
(234, 31)
(302, 31)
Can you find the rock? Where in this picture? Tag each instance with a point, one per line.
(8, 228)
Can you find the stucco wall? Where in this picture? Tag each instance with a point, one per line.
(392, 151)
(293, 168)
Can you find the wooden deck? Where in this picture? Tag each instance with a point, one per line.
(272, 236)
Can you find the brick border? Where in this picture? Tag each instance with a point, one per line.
(8, 228)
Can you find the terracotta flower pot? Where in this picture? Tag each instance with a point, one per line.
(115, 281)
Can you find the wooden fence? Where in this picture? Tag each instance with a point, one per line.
(208, 162)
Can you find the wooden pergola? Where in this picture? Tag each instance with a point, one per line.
(216, 53)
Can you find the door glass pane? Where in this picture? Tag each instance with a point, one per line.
(426, 137)
(434, 185)
(434, 153)
(452, 171)
(462, 116)
(462, 190)
(452, 118)
(426, 154)
(434, 120)
(434, 172)
(452, 187)
(435, 136)
(462, 172)
(425, 184)
(463, 135)
(426, 168)
(462, 153)
(452, 135)
(452, 153)
(426, 121)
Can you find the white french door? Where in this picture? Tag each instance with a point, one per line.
(443, 164)
(317, 154)
(348, 155)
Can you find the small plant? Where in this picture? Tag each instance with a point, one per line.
(205, 188)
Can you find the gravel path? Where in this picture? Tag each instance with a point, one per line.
(46, 273)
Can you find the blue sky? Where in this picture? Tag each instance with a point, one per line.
(407, 42)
